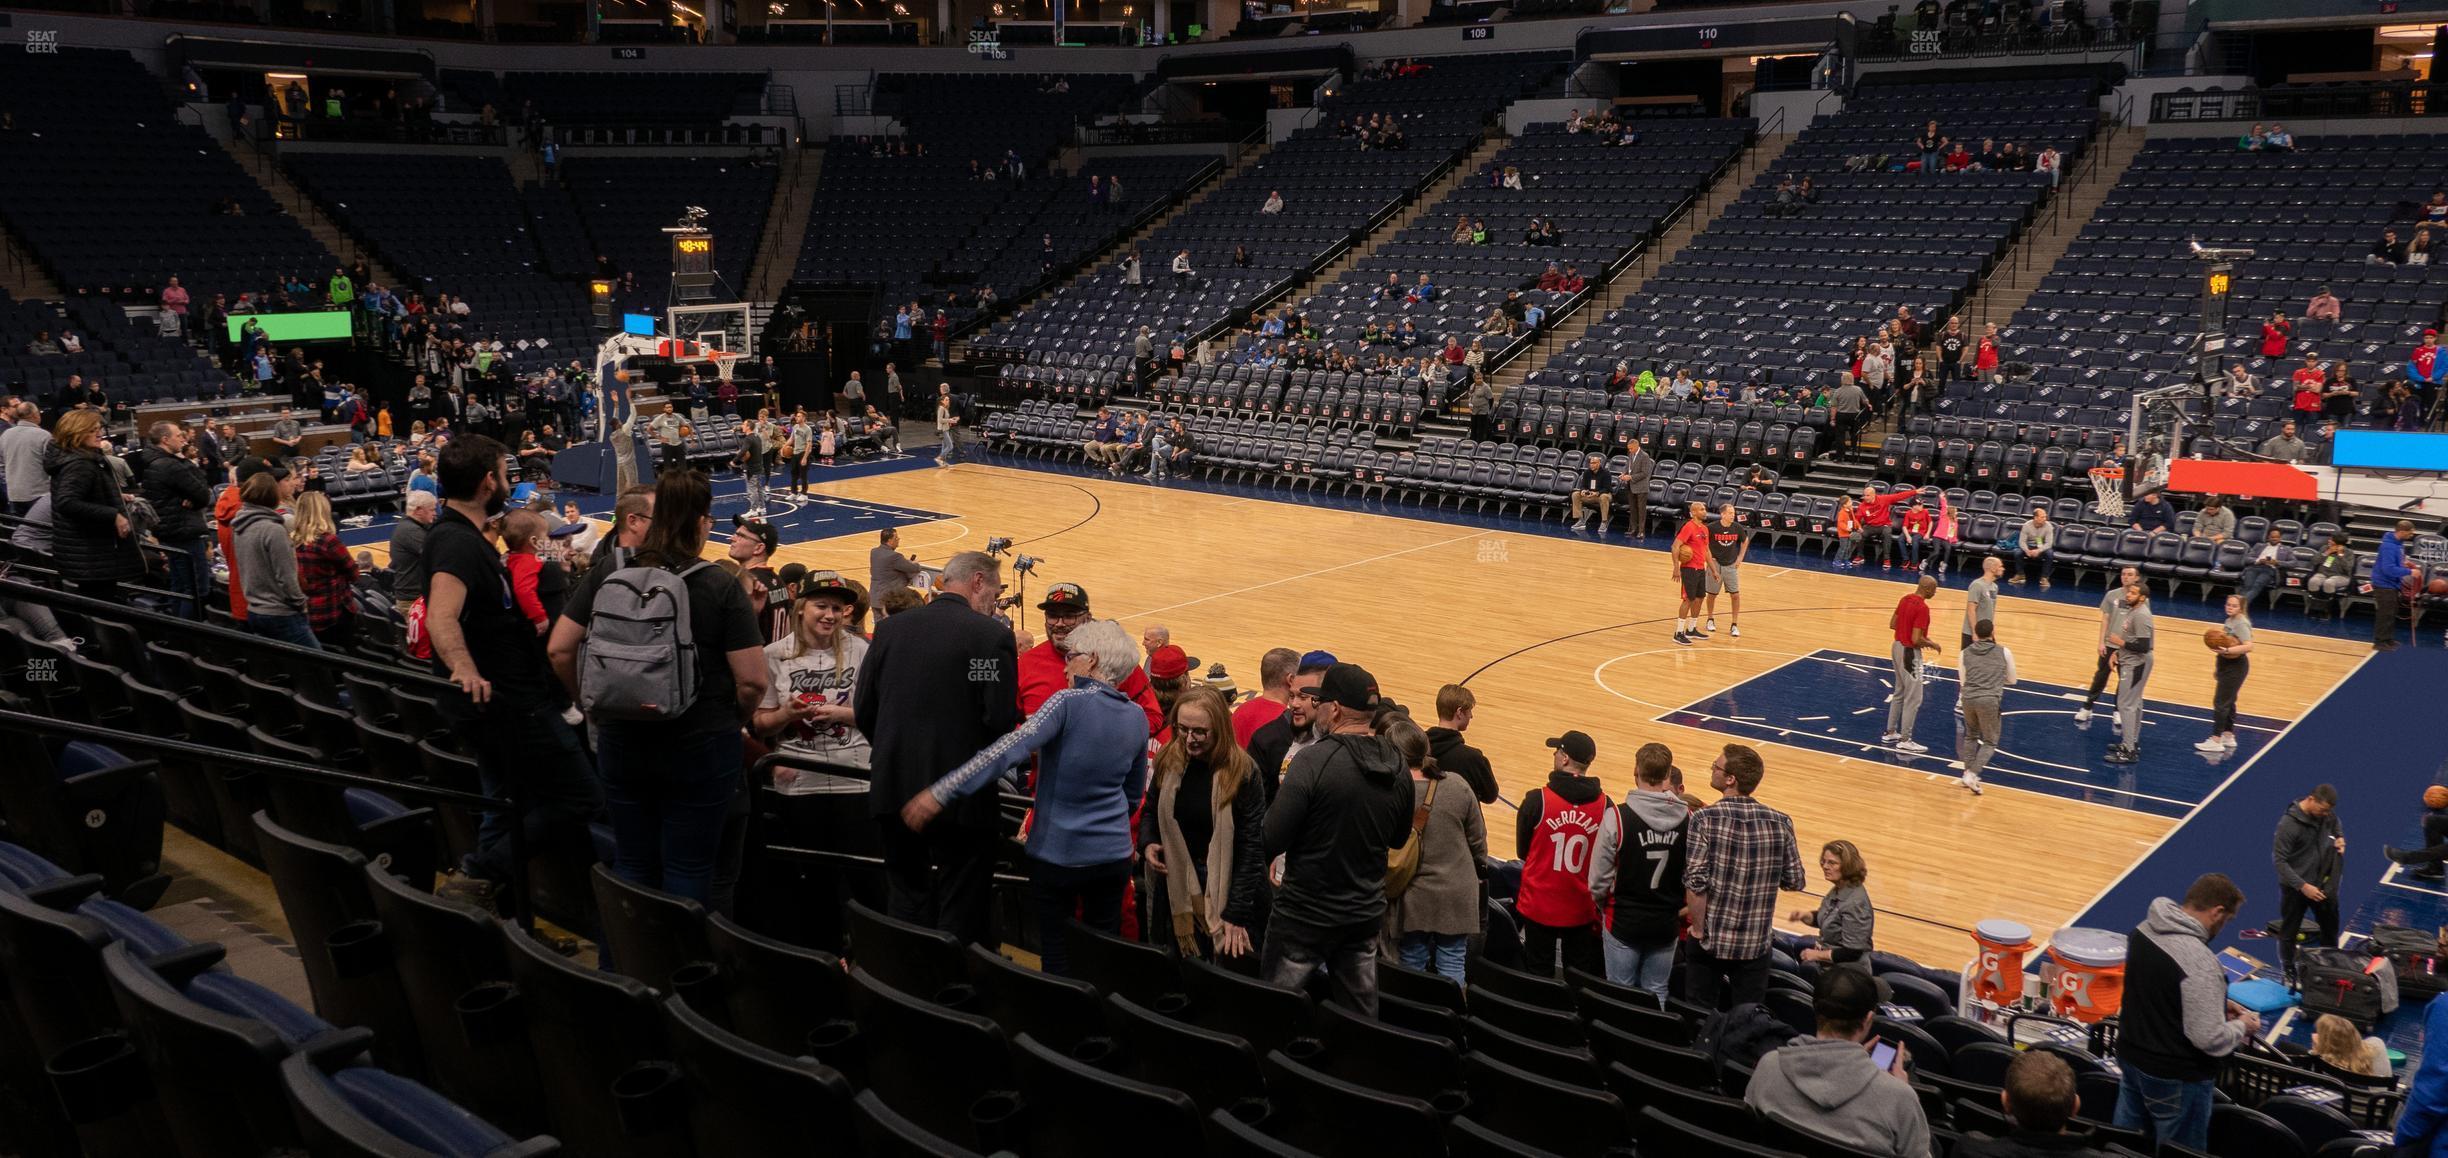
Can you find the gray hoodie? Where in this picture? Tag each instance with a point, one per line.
(1832, 1089)
(2305, 850)
(267, 564)
(1988, 670)
(2175, 1016)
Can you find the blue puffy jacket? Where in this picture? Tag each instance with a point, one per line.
(2420, 1128)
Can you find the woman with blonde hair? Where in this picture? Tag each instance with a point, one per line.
(811, 674)
(1210, 810)
(2340, 1046)
(1433, 916)
(1845, 918)
(326, 571)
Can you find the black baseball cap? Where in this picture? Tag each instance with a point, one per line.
(763, 531)
(1576, 746)
(1070, 598)
(816, 583)
(1349, 685)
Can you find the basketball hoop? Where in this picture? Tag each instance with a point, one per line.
(2108, 487)
(723, 363)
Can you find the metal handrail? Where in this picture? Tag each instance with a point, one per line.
(156, 621)
(206, 754)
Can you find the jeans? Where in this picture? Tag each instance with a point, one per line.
(754, 476)
(527, 752)
(1295, 951)
(948, 448)
(942, 878)
(1650, 968)
(285, 628)
(1057, 891)
(2256, 582)
(2033, 568)
(191, 575)
(1435, 952)
(668, 795)
(2176, 1113)
(1712, 982)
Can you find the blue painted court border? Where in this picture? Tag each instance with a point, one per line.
(1836, 702)
(799, 518)
(2085, 595)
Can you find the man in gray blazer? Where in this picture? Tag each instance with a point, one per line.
(1639, 464)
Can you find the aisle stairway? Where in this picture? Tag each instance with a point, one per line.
(264, 166)
(1721, 193)
(1249, 159)
(786, 224)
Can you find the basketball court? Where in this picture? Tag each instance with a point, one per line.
(1554, 631)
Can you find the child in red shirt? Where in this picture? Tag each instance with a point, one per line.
(520, 530)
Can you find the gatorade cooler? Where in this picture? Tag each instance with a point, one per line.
(1997, 973)
(2090, 981)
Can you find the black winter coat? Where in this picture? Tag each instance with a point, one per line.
(939, 683)
(85, 507)
(181, 499)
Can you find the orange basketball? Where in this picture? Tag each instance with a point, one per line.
(620, 375)
(2436, 796)
(2216, 638)
(2439, 586)
(1683, 553)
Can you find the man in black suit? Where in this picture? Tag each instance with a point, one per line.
(939, 683)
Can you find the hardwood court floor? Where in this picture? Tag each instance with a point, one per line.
(1557, 633)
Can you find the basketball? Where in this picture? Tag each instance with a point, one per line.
(620, 375)
(2439, 586)
(1683, 553)
(2217, 638)
(2436, 796)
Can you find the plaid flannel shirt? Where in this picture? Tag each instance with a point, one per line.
(328, 575)
(1740, 853)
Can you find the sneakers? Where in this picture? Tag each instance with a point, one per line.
(1682, 638)
(1708, 627)
(458, 885)
(1968, 782)
(1887, 566)
(1890, 737)
(2210, 745)
(2044, 585)
(1737, 631)
(2121, 754)
(2393, 852)
(1911, 746)
(2082, 715)
(2017, 581)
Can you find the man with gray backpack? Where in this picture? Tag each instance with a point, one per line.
(663, 654)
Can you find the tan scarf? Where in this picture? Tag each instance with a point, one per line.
(1194, 912)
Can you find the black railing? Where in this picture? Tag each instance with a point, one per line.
(2296, 102)
(1975, 41)
(1195, 133)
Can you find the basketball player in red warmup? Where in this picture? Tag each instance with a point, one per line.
(1556, 834)
(1689, 557)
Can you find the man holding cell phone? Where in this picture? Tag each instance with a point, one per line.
(1843, 1084)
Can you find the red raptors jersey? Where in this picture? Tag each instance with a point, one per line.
(1555, 875)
